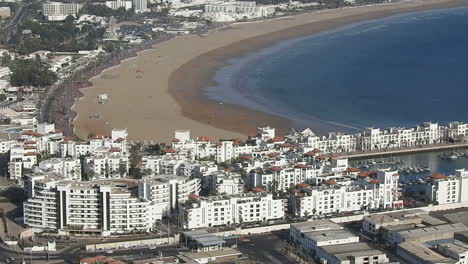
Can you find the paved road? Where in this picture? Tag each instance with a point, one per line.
(265, 248)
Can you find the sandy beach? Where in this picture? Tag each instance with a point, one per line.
(161, 90)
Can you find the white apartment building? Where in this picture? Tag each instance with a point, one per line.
(166, 192)
(441, 189)
(127, 5)
(332, 143)
(230, 149)
(330, 199)
(236, 10)
(117, 143)
(457, 130)
(69, 168)
(6, 142)
(222, 183)
(232, 209)
(382, 191)
(106, 165)
(282, 178)
(375, 138)
(86, 208)
(22, 156)
(56, 11)
(140, 6)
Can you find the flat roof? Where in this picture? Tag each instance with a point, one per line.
(422, 252)
(316, 225)
(210, 254)
(457, 246)
(395, 216)
(204, 238)
(329, 235)
(420, 232)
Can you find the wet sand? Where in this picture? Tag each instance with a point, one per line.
(161, 90)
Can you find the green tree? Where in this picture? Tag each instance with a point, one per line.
(31, 73)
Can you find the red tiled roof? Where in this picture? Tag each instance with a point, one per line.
(363, 174)
(438, 176)
(31, 154)
(310, 154)
(353, 170)
(30, 147)
(115, 150)
(321, 157)
(193, 196)
(247, 157)
(32, 133)
(396, 174)
(287, 145)
(120, 139)
(272, 155)
(300, 166)
(303, 185)
(375, 181)
(229, 170)
(171, 151)
(30, 142)
(330, 182)
(56, 131)
(258, 189)
(275, 168)
(203, 138)
(175, 140)
(278, 139)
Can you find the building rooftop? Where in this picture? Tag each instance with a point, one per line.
(311, 226)
(456, 247)
(422, 252)
(203, 238)
(212, 254)
(329, 235)
(344, 251)
(430, 231)
(161, 179)
(383, 219)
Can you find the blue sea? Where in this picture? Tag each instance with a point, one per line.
(396, 71)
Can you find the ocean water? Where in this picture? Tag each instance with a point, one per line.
(396, 71)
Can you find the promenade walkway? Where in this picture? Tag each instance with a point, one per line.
(397, 151)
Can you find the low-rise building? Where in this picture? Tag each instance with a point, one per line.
(355, 253)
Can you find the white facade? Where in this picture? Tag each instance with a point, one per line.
(119, 4)
(443, 189)
(71, 207)
(166, 192)
(237, 10)
(106, 165)
(55, 11)
(379, 192)
(375, 138)
(140, 6)
(69, 168)
(232, 209)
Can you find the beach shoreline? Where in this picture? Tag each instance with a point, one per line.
(170, 94)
